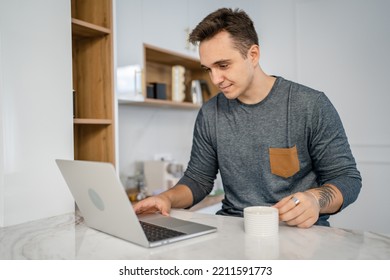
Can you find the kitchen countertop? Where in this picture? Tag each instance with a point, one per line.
(67, 237)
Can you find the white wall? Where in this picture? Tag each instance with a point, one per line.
(35, 108)
(339, 47)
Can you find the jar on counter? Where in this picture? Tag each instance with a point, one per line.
(131, 188)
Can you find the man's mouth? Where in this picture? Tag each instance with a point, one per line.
(223, 88)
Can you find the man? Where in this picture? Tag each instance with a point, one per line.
(274, 142)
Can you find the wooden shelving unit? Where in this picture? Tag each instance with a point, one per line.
(93, 80)
(158, 64)
(149, 102)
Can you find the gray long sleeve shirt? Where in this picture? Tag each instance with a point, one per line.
(291, 141)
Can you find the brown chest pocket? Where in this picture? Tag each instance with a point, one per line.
(284, 161)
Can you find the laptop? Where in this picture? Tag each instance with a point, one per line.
(104, 204)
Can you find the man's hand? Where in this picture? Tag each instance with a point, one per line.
(153, 204)
(300, 209)
(180, 196)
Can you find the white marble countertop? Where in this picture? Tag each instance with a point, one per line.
(67, 237)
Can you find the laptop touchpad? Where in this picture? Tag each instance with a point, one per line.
(164, 221)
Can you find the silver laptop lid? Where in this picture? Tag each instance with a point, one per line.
(102, 199)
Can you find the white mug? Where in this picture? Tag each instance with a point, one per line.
(261, 220)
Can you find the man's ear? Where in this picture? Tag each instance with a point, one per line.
(254, 54)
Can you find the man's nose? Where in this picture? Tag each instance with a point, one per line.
(216, 77)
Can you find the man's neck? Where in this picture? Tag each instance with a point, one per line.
(260, 88)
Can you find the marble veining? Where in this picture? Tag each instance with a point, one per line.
(67, 237)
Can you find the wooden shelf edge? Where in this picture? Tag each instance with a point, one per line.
(168, 57)
(92, 121)
(82, 28)
(160, 103)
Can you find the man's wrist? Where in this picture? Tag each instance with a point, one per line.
(316, 199)
(329, 198)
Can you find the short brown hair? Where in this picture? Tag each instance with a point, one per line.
(236, 22)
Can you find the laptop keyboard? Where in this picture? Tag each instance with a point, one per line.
(156, 233)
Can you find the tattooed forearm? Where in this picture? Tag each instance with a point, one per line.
(326, 196)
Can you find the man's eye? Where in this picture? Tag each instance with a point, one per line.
(223, 66)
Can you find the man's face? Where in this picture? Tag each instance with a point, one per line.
(228, 69)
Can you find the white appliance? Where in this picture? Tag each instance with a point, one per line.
(161, 175)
